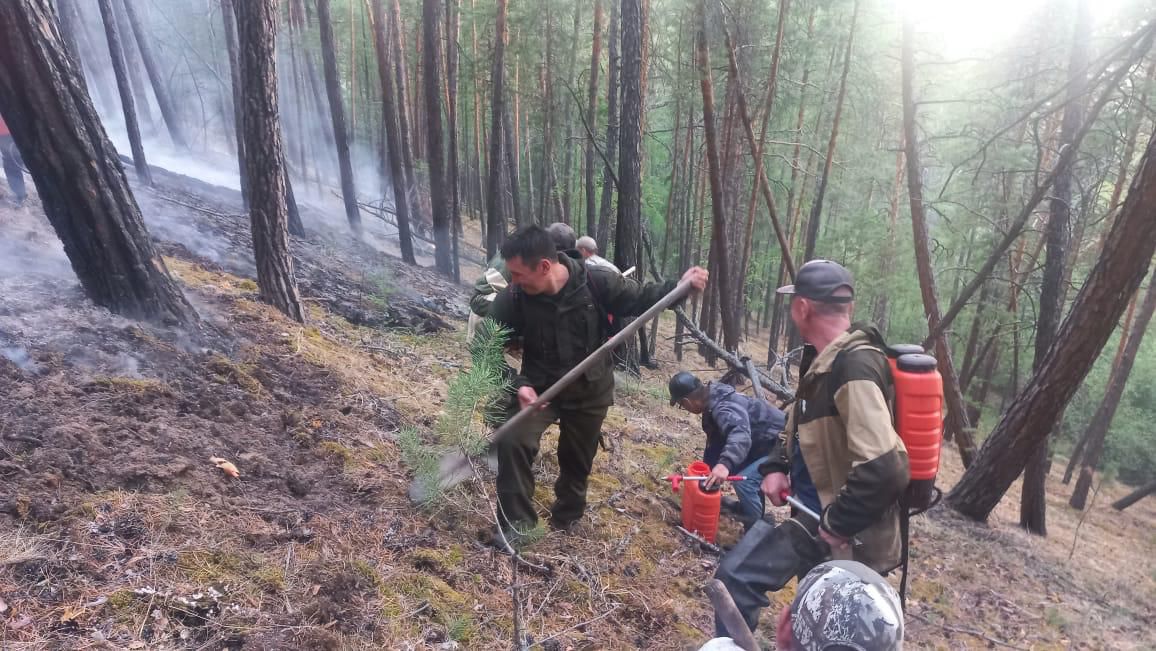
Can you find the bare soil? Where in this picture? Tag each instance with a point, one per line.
(117, 532)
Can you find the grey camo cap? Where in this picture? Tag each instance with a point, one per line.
(846, 605)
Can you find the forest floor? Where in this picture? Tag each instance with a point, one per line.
(117, 532)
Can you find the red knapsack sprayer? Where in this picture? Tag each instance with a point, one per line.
(700, 507)
(918, 416)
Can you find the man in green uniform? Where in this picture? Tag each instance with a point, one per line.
(557, 307)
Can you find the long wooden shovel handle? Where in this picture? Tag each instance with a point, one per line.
(675, 295)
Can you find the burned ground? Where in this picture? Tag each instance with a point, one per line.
(117, 532)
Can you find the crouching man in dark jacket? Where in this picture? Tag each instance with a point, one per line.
(740, 433)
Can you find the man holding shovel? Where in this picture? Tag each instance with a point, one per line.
(557, 307)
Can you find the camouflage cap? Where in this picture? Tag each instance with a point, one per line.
(846, 605)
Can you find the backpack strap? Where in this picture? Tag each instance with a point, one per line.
(598, 293)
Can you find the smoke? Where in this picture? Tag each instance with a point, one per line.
(19, 356)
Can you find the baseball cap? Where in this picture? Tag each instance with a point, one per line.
(819, 280)
(682, 384)
(846, 605)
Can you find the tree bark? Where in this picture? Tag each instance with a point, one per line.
(568, 120)
(404, 114)
(1102, 421)
(719, 235)
(265, 156)
(496, 226)
(389, 106)
(1033, 496)
(821, 189)
(628, 230)
(1135, 496)
(611, 152)
(115, 51)
(229, 18)
(337, 115)
(77, 171)
(132, 64)
(440, 190)
(592, 122)
(453, 27)
(956, 420)
(156, 78)
(1099, 305)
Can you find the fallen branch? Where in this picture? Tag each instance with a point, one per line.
(709, 546)
(213, 213)
(966, 631)
(588, 622)
(730, 358)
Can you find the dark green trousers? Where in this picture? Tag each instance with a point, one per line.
(577, 445)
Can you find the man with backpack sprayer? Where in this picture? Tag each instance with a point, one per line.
(558, 308)
(839, 442)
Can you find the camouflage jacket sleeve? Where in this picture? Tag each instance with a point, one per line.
(879, 469)
(625, 297)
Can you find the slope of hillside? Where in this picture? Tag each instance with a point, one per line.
(117, 532)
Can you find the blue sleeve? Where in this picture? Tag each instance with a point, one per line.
(735, 424)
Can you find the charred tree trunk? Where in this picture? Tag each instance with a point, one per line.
(719, 236)
(337, 114)
(389, 106)
(132, 64)
(77, 171)
(628, 230)
(592, 122)
(265, 156)
(156, 78)
(1099, 305)
(1033, 496)
(1098, 429)
(613, 42)
(440, 190)
(122, 84)
(229, 18)
(956, 422)
(821, 189)
(1135, 496)
(496, 226)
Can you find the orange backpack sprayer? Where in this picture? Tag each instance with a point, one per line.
(918, 416)
(700, 507)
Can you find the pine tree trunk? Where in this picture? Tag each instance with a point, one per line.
(887, 260)
(452, 30)
(1102, 421)
(821, 189)
(956, 420)
(156, 78)
(1033, 497)
(403, 115)
(77, 171)
(265, 158)
(112, 33)
(628, 230)
(132, 64)
(719, 237)
(592, 122)
(496, 226)
(568, 120)
(611, 152)
(337, 114)
(479, 198)
(229, 18)
(389, 106)
(440, 190)
(1100, 303)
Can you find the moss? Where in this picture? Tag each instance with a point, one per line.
(419, 587)
(214, 566)
(335, 450)
(226, 371)
(369, 572)
(439, 560)
(130, 385)
(270, 577)
(248, 285)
